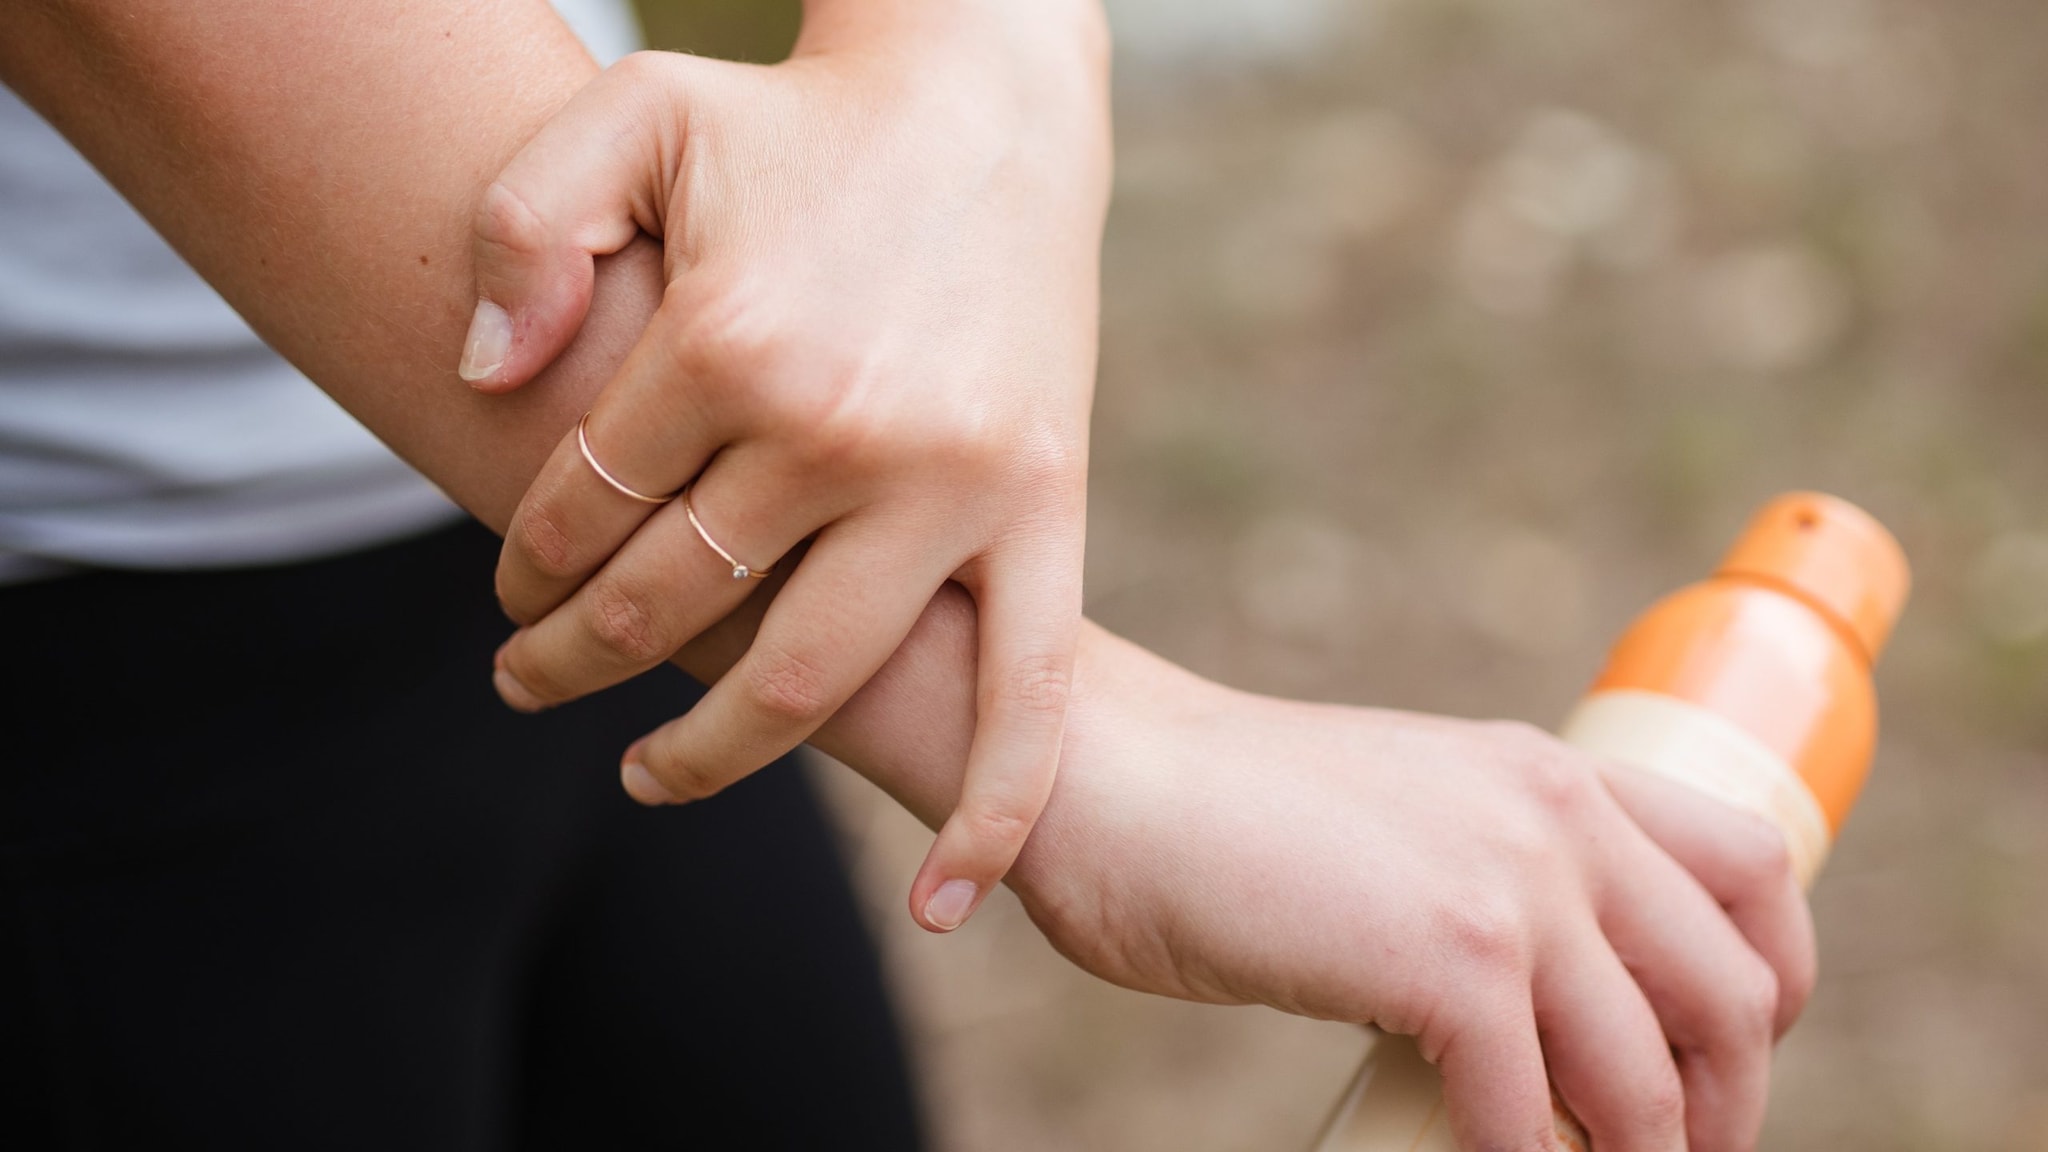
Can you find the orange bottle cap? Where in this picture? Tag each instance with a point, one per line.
(1831, 554)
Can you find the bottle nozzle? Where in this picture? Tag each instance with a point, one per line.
(1831, 554)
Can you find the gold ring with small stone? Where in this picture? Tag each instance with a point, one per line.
(739, 571)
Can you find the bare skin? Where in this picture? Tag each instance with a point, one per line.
(1477, 885)
(878, 334)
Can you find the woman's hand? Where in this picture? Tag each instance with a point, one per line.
(1480, 886)
(878, 334)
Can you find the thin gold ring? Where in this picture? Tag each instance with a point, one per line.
(739, 571)
(583, 442)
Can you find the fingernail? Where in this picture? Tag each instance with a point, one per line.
(642, 786)
(513, 693)
(489, 340)
(949, 906)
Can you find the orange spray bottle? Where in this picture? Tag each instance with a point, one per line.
(1753, 686)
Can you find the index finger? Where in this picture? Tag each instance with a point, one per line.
(650, 431)
(1743, 864)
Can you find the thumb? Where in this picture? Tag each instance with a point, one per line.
(587, 183)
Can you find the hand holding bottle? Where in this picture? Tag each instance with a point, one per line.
(1752, 691)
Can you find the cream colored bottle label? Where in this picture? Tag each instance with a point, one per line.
(1396, 1104)
(1687, 743)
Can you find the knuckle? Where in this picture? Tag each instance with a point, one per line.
(1527, 843)
(544, 543)
(1753, 1014)
(507, 223)
(957, 437)
(843, 424)
(1040, 685)
(838, 432)
(534, 676)
(1760, 856)
(1007, 824)
(622, 623)
(966, 437)
(1489, 932)
(1561, 786)
(1519, 736)
(977, 448)
(789, 688)
(685, 779)
(1550, 775)
(635, 68)
(727, 336)
(1660, 1108)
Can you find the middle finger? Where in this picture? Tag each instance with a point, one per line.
(666, 584)
(650, 430)
(1714, 996)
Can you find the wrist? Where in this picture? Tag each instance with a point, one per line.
(1053, 53)
(908, 731)
(1110, 817)
(1075, 27)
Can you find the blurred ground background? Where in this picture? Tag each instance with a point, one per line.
(1496, 318)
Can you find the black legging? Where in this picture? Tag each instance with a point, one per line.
(277, 871)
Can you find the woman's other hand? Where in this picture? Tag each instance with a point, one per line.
(878, 335)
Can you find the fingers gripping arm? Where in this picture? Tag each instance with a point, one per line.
(321, 167)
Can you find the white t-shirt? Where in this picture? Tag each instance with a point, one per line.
(142, 423)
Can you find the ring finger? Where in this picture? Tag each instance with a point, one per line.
(843, 613)
(1606, 1052)
(1713, 994)
(638, 445)
(665, 585)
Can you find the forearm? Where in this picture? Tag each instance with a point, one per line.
(320, 168)
(318, 164)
